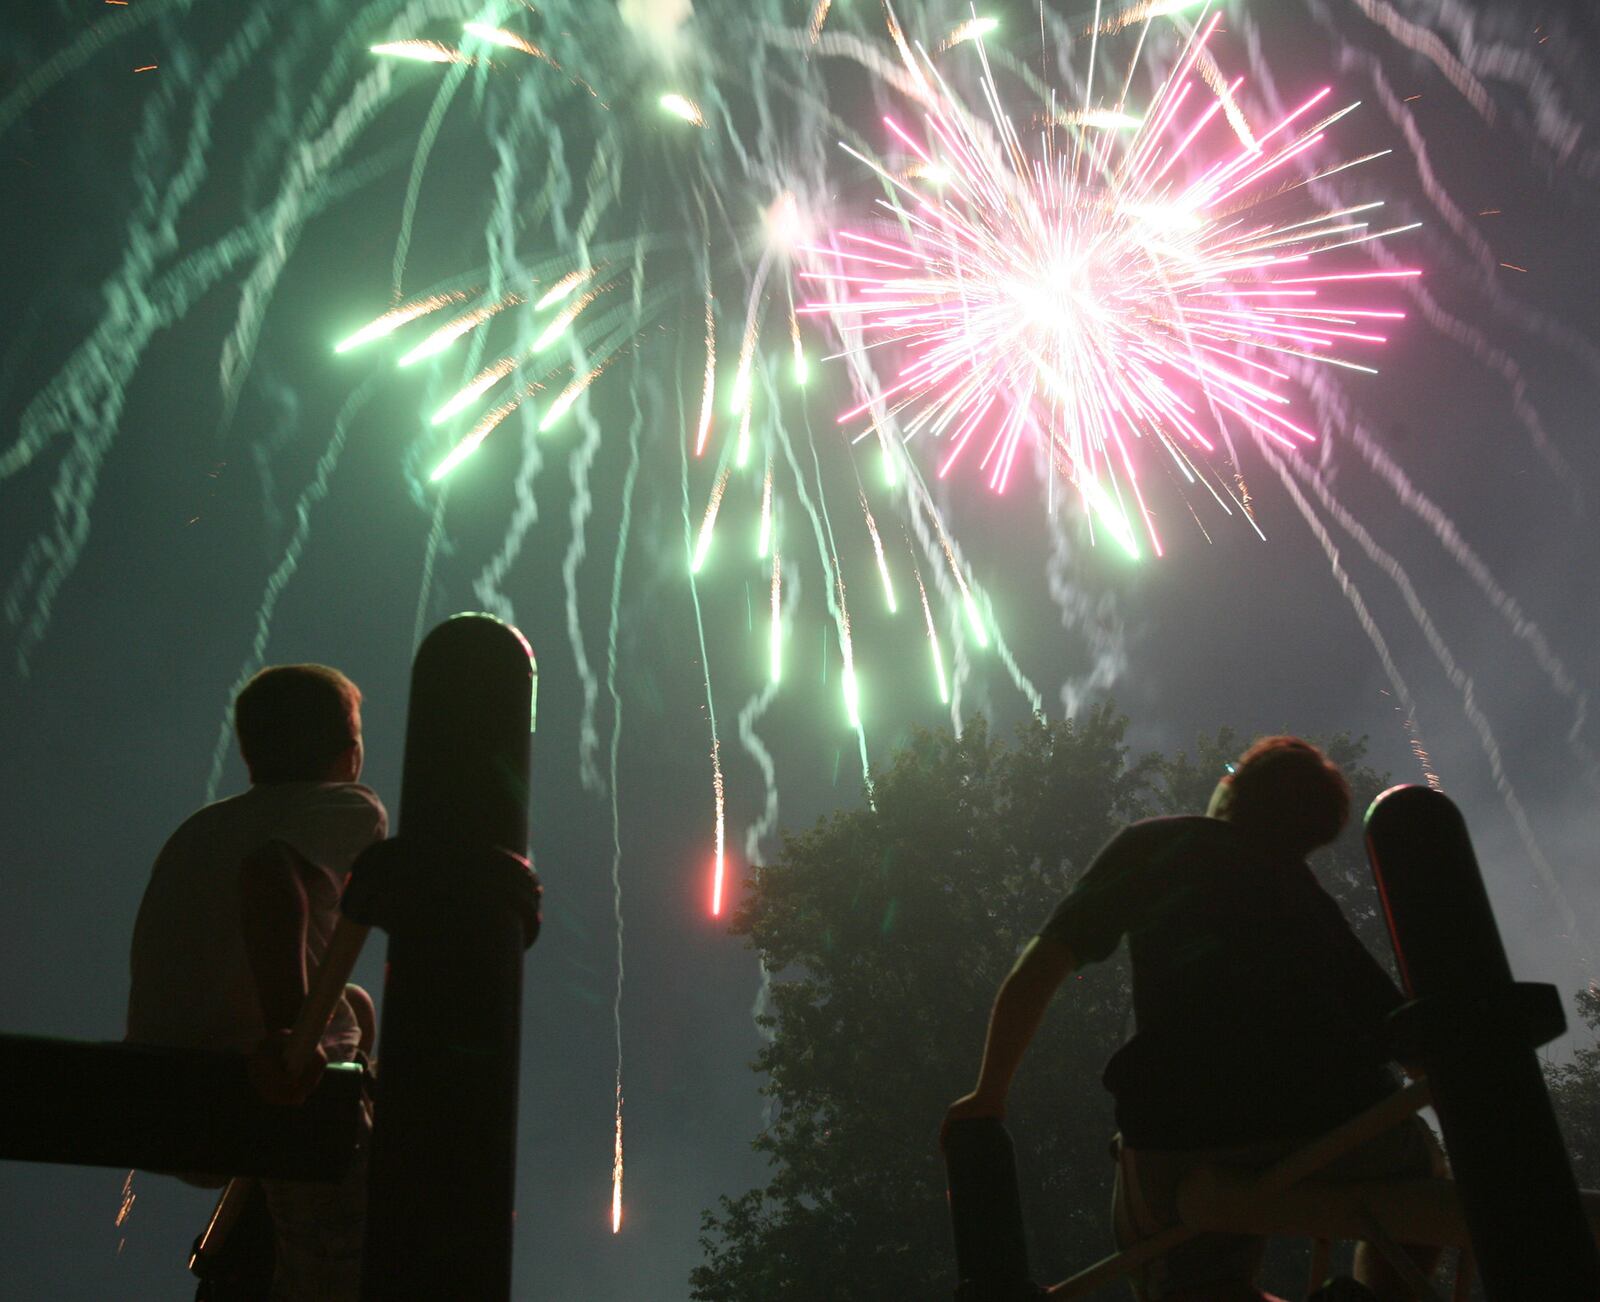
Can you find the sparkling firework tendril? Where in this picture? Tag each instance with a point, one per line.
(1133, 283)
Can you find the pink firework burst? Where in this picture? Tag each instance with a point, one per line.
(1111, 283)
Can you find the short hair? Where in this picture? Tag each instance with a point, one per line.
(1288, 791)
(293, 721)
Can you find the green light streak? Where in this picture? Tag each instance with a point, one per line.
(976, 620)
(1111, 516)
(680, 106)
(852, 696)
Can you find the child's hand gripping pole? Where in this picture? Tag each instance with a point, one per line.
(327, 988)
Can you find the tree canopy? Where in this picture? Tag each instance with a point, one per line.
(886, 930)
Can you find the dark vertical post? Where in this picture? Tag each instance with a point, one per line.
(1475, 1031)
(986, 1212)
(460, 904)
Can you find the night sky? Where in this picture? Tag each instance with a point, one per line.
(177, 512)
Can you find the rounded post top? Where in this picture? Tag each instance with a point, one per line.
(476, 637)
(467, 733)
(1413, 812)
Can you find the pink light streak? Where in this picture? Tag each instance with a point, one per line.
(1094, 298)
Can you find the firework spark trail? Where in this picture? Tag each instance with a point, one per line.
(447, 334)
(998, 310)
(708, 521)
(624, 527)
(385, 325)
(283, 573)
(709, 397)
(85, 398)
(851, 686)
(877, 548)
(1459, 679)
(1335, 413)
(719, 865)
(949, 578)
(933, 639)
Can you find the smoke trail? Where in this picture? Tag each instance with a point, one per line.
(1453, 327)
(1460, 680)
(85, 398)
(430, 555)
(426, 138)
(624, 526)
(1333, 408)
(286, 568)
(308, 164)
(1556, 127)
(1095, 620)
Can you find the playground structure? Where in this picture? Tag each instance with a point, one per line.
(457, 896)
(1512, 1205)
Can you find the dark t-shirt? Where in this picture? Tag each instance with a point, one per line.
(1257, 1010)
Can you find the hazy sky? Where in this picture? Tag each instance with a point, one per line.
(176, 518)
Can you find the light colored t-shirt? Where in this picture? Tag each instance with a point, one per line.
(192, 984)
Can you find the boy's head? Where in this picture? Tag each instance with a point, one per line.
(299, 723)
(1285, 791)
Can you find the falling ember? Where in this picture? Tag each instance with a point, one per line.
(711, 376)
(128, 1199)
(422, 52)
(681, 106)
(777, 619)
(391, 321)
(877, 547)
(447, 334)
(703, 543)
(475, 436)
(479, 385)
(616, 1166)
(933, 642)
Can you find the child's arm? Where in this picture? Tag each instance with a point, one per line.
(273, 910)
